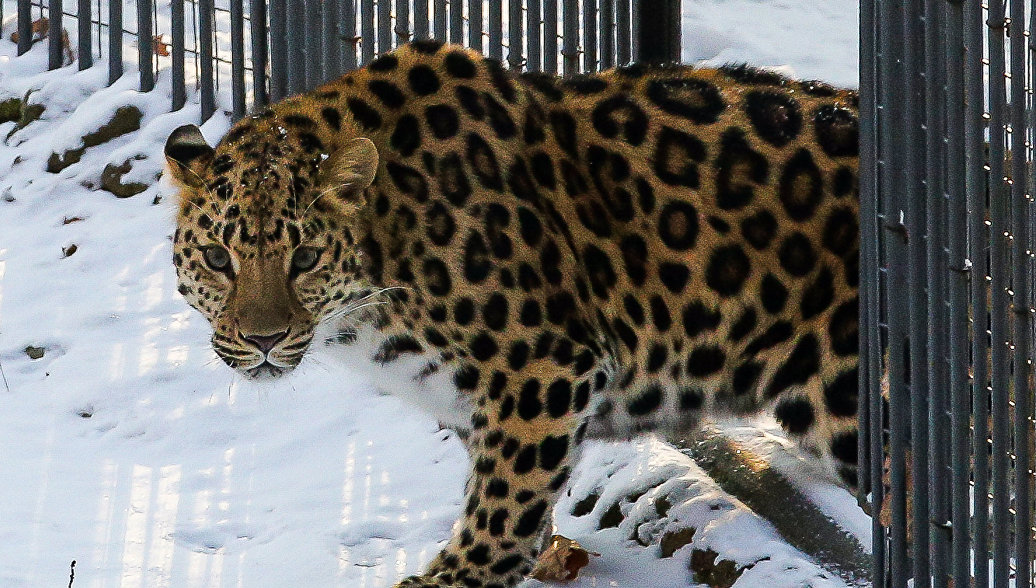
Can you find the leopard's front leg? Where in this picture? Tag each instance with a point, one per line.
(522, 448)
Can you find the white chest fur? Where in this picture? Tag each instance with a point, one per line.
(418, 378)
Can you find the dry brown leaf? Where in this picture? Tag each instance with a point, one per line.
(159, 46)
(561, 560)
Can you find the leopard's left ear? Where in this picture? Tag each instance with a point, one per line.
(187, 154)
(352, 168)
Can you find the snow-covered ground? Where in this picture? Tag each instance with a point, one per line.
(125, 445)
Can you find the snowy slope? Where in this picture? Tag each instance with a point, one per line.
(129, 448)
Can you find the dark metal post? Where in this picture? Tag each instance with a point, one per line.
(332, 43)
(402, 28)
(607, 34)
(385, 25)
(456, 20)
(421, 19)
(24, 26)
(348, 41)
(475, 24)
(237, 57)
(515, 35)
(145, 41)
(623, 31)
(259, 52)
(296, 54)
(114, 41)
(178, 53)
(86, 49)
(207, 81)
(496, 29)
(570, 47)
(957, 110)
(1019, 281)
(314, 42)
(659, 31)
(438, 19)
(55, 35)
(590, 35)
(535, 29)
(550, 36)
(278, 50)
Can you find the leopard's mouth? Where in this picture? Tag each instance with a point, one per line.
(266, 371)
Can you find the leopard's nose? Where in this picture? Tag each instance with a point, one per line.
(266, 343)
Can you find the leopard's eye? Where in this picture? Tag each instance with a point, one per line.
(304, 259)
(217, 257)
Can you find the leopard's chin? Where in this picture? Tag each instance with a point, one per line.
(265, 371)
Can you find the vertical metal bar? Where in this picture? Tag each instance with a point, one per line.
(936, 324)
(259, 52)
(315, 42)
(296, 53)
(385, 25)
(978, 239)
(914, 192)
(515, 35)
(145, 34)
(24, 26)
(114, 40)
(607, 34)
(957, 108)
(634, 31)
(348, 24)
(624, 30)
(54, 35)
(658, 31)
(367, 45)
(1020, 284)
(590, 35)
(534, 61)
(998, 211)
(496, 29)
(278, 50)
(892, 179)
(176, 13)
(439, 20)
(332, 54)
(456, 21)
(207, 79)
(550, 36)
(570, 39)
(402, 22)
(86, 49)
(475, 24)
(871, 433)
(237, 57)
(420, 19)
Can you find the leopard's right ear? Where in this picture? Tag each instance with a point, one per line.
(187, 154)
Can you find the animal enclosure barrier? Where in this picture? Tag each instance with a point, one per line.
(946, 187)
(268, 50)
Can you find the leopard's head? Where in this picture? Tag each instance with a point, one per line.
(265, 245)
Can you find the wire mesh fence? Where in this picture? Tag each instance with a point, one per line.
(268, 50)
(946, 188)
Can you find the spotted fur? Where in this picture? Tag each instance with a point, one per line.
(599, 255)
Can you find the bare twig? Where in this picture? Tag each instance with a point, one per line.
(71, 573)
(4, 377)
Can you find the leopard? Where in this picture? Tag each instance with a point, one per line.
(556, 259)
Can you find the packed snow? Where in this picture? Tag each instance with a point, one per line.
(128, 447)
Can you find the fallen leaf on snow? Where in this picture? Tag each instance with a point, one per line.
(561, 560)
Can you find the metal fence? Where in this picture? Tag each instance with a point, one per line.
(946, 304)
(272, 49)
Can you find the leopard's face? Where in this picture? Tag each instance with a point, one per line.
(265, 250)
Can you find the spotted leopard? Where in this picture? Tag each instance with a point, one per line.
(599, 255)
